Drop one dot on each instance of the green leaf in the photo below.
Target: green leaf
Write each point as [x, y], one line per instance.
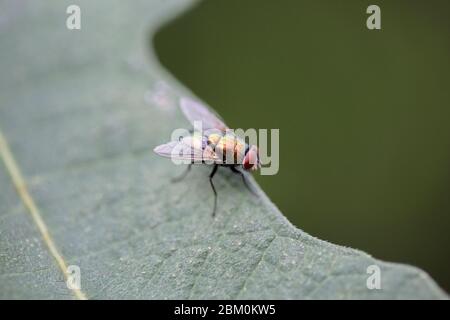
[80, 112]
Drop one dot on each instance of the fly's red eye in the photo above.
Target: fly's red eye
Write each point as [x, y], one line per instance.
[246, 163]
[251, 159]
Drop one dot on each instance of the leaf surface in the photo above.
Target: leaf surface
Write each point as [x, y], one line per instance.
[80, 112]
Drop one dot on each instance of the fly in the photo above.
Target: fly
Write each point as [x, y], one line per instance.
[216, 145]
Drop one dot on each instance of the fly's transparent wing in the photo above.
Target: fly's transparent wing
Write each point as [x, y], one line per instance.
[188, 149]
[195, 111]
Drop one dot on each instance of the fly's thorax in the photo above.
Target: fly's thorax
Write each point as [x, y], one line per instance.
[214, 139]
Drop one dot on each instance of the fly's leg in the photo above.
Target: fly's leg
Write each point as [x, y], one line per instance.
[244, 179]
[211, 176]
[183, 175]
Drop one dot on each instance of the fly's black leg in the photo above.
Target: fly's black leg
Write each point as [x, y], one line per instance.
[211, 176]
[183, 175]
[243, 179]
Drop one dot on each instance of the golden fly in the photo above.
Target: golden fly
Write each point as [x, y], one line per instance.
[215, 145]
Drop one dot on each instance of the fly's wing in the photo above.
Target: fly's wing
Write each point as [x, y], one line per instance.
[188, 149]
[195, 111]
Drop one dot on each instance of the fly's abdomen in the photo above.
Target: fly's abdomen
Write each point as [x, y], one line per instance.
[228, 147]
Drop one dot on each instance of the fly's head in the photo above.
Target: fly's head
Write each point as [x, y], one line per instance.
[251, 159]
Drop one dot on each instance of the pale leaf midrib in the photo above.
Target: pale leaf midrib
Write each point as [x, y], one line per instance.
[19, 183]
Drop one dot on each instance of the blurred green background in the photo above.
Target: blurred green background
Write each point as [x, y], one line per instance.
[363, 115]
